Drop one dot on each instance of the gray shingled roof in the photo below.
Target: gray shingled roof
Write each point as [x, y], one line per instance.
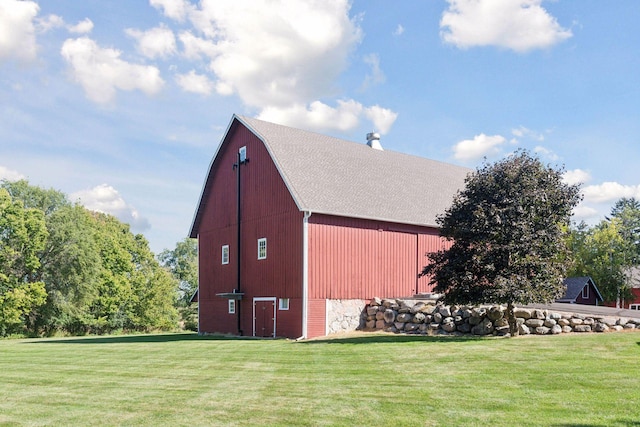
[332, 176]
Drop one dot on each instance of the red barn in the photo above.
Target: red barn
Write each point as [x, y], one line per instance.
[292, 225]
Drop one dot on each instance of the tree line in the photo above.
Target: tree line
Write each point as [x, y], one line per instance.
[66, 269]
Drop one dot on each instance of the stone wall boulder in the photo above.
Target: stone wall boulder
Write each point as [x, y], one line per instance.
[495, 313]
[389, 315]
[485, 327]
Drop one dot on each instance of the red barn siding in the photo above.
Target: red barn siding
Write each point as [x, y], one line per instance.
[359, 259]
[317, 318]
[269, 211]
[592, 297]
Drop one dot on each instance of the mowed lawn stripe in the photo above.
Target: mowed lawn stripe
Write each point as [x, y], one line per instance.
[362, 379]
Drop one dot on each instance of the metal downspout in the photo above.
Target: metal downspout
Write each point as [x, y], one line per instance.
[305, 273]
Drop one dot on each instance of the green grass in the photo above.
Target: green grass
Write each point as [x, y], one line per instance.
[364, 379]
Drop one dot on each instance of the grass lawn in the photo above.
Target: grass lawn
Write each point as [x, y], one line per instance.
[362, 379]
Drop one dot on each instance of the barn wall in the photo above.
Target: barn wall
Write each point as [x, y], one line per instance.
[592, 300]
[268, 211]
[359, 259]
[316, 322]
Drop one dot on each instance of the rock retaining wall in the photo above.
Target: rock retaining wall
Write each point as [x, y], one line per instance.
[429, 317]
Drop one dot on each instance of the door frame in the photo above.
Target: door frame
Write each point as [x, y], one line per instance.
[273, 300]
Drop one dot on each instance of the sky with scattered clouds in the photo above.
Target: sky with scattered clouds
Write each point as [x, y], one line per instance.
[122, 108]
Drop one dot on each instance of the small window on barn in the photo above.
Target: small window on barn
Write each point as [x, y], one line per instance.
[585, 292]
[283, 304]
[634, 306]
[262, 248]
[225, 254]
[232, 306]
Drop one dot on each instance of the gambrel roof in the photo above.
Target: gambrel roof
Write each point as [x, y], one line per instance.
[332, 176]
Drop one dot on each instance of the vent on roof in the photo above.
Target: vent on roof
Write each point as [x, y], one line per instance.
[373, 141]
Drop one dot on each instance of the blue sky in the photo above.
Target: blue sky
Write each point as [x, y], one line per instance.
[122, 107]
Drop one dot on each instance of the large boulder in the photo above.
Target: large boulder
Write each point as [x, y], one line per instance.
[404, 317]
[534, 323]
[417, 307]
[500, 323]
[495, 313]
[485, 327]
[411, 327]
[600, 327]
[542, 330]
[390, 315]
[419, 317]
[539, 314]
[375, 301]
[522, 312]
[444, 310]
[575, 321]
[449, 326]
[465, 328]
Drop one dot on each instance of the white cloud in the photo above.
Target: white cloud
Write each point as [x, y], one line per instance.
[319, 116]
[174, 9]
[382, 118]
[10, 174]
[609, 192]
[100, 71]
[195, 47]
[585, 213]
[195, 83]
[576, 176]
[50, 22]
[478, 147]
[278, 53]
[549, 154]
[158, 42]
[520, 25]
[399, 30]
[83, 27]
[523, 132]
[106, 199]
[17, 32]
[279, 57]
[376, 76]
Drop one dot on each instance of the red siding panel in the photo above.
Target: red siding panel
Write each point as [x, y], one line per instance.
[359, 259]
[317, 318]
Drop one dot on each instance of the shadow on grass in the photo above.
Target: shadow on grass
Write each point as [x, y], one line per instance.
[375, 338]
[628, 423]
[134, 339]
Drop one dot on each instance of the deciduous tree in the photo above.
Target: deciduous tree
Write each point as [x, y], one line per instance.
[506, 233]
[22, 236]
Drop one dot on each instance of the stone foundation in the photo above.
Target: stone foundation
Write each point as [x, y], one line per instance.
[345, 315]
